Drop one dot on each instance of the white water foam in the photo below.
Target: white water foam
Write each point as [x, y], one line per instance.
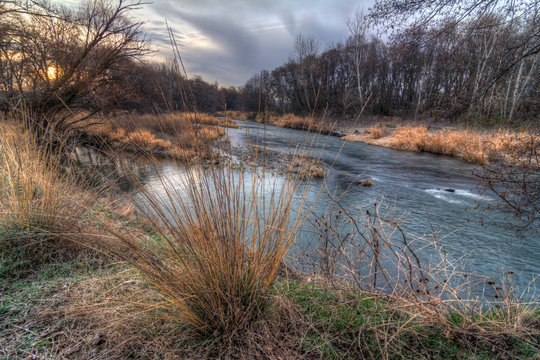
[443, 195]
[473, 195]
[449, 196]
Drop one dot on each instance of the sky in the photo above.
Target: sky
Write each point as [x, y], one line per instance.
[230, 40]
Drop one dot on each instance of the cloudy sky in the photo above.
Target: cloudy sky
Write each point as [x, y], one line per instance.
[230, 40]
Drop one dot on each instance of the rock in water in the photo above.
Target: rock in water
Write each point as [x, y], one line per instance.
[365, 182]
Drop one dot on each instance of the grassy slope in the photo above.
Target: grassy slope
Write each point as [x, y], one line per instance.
[71, 309]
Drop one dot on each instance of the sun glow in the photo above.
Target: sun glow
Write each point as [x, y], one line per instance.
[52, 72]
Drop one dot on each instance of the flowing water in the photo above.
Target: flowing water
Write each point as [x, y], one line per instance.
[434, 194]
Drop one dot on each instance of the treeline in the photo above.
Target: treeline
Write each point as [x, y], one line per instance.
[158, 87]
[486, 67]
[483, 68]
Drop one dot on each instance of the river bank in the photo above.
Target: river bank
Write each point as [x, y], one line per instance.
[75, 284]
[90, 307]
[471, 144]
[476, 146]
[181, 136]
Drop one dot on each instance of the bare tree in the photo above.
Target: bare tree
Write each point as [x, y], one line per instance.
[357, 26]
[519, 14]
[57, 61]
[306, 48]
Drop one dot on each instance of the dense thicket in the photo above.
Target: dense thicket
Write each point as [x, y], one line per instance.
[485, 67]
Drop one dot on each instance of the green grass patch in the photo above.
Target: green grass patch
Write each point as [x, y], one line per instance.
[352, 325]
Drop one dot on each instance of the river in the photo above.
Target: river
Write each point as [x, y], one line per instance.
[470, 228]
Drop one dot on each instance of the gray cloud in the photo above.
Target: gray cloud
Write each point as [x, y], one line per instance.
[229, 41]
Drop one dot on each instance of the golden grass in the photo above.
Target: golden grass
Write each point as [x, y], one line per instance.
[237, 115]
[207, 119]
[40, 208]
[30, 186]
[292, 121]
[168, 123]
[377, 132]
[218, 255]
[175, 135]
[471, 145]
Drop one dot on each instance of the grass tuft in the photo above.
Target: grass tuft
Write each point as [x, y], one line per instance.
[222, 240]
[38, 206]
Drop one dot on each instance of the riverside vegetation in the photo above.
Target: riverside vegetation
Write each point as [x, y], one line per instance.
[198, 266]
[200, 273]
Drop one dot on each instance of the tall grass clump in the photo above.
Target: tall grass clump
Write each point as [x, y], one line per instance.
[222, 238]
[37, 203]
[377, 131]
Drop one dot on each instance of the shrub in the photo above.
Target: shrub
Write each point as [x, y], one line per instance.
[223, 237]
[376, 132]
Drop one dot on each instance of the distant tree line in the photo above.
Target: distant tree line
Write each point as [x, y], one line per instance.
[157, 87]
[485, 67]
[478, 59]
[445, 59]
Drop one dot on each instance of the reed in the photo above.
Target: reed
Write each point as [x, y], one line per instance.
[222, 239]
[38, 206]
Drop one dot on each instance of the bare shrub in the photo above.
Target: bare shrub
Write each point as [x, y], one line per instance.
[373, 253]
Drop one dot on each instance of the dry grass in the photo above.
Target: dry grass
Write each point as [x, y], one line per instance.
[471, 145]
[306, 167]
[109, 313]
[219, 249]
[207, 119]
[168, 123]
[34, 193]
[168, 135]
[376, 255]
[377, 132]
[291, 121]
[237, 115]
[41, 210]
